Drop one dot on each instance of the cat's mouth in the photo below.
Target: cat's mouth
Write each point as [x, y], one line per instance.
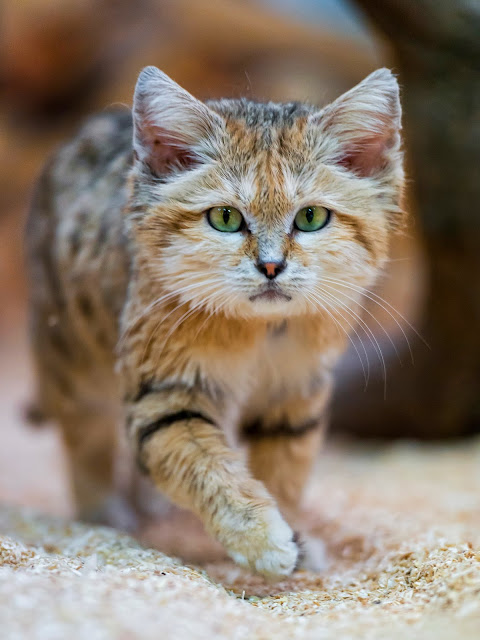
[271, 294]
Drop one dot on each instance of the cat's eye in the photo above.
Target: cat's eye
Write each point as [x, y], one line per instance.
[227, 219]
[312, 218]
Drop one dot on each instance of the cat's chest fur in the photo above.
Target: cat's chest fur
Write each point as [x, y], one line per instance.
[284, 359]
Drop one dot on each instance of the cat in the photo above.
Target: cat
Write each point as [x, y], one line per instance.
[192, 266]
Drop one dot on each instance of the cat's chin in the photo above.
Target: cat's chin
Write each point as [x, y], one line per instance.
[271, 307]
[270, 295]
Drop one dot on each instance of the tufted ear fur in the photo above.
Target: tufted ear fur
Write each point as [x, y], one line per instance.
[172, 129]
[365, 122]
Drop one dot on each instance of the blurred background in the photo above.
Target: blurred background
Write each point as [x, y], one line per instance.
[60, 60]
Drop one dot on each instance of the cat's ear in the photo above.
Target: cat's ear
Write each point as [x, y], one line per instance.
[365, 123]
[172, 129]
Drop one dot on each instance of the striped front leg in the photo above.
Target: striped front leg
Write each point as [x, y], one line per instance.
[179, 442]
[283, 443]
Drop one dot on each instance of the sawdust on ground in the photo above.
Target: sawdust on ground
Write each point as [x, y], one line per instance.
[402, 530]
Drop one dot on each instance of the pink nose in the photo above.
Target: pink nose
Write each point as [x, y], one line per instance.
[271, 269]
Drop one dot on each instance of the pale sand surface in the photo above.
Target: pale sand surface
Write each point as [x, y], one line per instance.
[401, 525]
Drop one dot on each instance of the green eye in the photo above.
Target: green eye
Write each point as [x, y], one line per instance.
[312, 218]
[226, 219]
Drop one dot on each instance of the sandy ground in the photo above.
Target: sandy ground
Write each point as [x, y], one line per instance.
[401, 524]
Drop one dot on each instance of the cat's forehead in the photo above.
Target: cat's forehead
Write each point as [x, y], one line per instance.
[254, 128]
[266, 153]
[261, 115]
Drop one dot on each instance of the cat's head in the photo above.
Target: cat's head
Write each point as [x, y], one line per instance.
[263, 209]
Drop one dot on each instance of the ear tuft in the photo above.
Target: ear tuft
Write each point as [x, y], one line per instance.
[366, 124]
[169, 123]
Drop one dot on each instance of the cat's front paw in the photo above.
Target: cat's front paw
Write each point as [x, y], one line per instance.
[264, 544]
[114, 511]
[313, 555]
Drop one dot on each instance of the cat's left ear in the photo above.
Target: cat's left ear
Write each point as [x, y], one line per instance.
[172, 129]
[364, 124]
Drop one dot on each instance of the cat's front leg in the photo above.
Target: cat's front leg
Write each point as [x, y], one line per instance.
[283, 444]
[181, 446]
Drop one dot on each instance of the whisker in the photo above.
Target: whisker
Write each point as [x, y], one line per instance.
[367, 330]
[180, 321]
[366, 375]
[164, 318]
[134, 323]
[156, 328]
[375, 298]
[373, 317]
[209, 315]
[212, 300]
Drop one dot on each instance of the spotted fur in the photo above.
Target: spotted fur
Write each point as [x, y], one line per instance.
[142, 313]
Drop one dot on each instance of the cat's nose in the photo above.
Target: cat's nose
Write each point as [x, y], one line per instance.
[271, 269]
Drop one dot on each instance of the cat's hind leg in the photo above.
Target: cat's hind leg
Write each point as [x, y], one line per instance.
[89, 432]
[90, 440]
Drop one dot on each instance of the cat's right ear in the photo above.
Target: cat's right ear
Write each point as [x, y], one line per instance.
[172, 129]
[364, 126]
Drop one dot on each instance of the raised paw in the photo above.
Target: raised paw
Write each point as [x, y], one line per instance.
[262, 542]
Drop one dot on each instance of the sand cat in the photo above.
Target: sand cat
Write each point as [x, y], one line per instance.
[193, 269]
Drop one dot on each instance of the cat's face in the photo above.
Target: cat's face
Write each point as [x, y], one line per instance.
[264, 209]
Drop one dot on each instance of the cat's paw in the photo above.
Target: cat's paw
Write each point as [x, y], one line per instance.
[264, 544]
[313, 555]
[115, 511]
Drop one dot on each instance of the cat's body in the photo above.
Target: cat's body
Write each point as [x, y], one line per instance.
[196, 335]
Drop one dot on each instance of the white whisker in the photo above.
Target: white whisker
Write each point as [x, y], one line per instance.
[383, 304]
[180, 321]
[179, 292]
[318, 299]
[367, 330]
[165, 317]
[369, 313]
